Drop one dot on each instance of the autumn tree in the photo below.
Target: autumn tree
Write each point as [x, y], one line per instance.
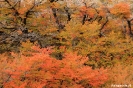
[23, 20]
[100, 32]
[86, 27]
[40, 70]
[122, 10]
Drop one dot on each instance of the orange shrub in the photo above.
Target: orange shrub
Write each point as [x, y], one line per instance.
[121, 9]
[40, 70]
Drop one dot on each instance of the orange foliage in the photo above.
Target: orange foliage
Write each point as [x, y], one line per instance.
[83, 8]
[22, 10]
[41, 70]
[91, 12]
[102, 11]
[121, 9]
[88, 11]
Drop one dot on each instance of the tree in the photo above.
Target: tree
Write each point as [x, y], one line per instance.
[122, 10]
[40, 70]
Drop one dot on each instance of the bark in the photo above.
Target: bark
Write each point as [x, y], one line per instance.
[129, 29]
[100, 33]
[68, 14]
